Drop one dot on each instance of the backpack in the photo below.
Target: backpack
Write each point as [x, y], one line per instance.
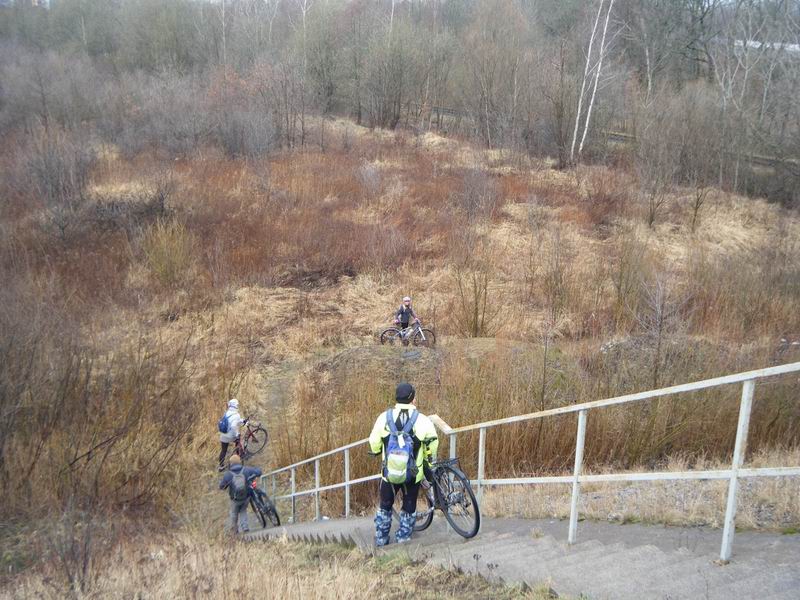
[400, 466]
[223, 424]
[239, 487]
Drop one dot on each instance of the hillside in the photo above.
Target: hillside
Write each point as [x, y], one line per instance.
[269, 280]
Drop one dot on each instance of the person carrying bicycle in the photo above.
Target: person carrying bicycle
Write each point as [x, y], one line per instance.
[404, 314]
[232, 422]
[237, 481]
[407, 441]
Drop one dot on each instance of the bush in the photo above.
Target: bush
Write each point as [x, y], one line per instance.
[58, 167]
[479, 197]
[169, 252]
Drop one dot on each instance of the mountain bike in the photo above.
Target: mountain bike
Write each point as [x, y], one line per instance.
[252, 440]
[450, 492]
[263, 507]
[416, 334]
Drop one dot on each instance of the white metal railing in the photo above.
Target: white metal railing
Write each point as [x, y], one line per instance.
[747, 379]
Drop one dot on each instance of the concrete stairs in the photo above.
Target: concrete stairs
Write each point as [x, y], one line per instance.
[610, 561]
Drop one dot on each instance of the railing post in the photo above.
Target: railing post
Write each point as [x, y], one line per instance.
[316, 486]
[481, 461]
[347, 483]
[573, 511]
[294, 489]
[738, 460]
[452, 445]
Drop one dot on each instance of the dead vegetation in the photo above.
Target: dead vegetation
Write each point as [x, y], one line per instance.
[122, 342]
[194, 565]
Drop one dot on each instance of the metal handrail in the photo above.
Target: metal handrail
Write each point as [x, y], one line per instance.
[747, 379]
[668, 391]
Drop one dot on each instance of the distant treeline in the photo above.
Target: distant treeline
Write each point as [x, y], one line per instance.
[703, 84]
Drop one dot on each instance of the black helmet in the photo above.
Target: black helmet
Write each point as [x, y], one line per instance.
[404, 393]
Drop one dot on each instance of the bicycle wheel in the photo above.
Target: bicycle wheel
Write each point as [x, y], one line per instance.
[424, 337]
[423, 512]
[272, 514]
[390, 336]
[255, 441]
[258, 509]
[458, 502]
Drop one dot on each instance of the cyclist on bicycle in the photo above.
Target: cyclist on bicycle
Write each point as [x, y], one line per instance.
[405, 313]
[237, 481]
[425, 443]
[235, 421]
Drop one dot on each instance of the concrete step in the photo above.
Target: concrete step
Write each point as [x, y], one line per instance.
[529, 549]
[611, 561]
[764, 584]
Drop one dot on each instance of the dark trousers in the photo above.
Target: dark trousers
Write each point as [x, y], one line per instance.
[410, 492]
[223, 453]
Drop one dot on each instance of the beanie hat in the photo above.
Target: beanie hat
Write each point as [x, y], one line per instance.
[236, 460]
[404, 393]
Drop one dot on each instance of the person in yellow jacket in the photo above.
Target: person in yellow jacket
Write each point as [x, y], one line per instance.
[407, 441]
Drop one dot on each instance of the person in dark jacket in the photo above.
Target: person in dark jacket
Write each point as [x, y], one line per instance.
[237, 481]
[405, 313]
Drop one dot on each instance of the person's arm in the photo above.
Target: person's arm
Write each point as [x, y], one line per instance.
[429, 438]
[226, 480]
[236, 424]
[377, 434]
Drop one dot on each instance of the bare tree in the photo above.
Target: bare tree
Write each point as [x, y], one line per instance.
[58, 171]
[658, 316]
[594, 72]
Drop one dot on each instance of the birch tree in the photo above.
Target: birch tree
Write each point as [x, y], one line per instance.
[591, 76]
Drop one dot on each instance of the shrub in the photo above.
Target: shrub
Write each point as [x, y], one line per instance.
[169, 252]
[58, 167]
[479, 196]
[370, 178]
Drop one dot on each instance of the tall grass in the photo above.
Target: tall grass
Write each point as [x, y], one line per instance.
[332, 410]
[108, 399]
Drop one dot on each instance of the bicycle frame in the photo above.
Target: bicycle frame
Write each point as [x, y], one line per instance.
[438, 495]
[409, 331]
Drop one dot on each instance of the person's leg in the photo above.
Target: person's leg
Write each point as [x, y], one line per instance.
[244, 525]
[222, 454]
[383, 517]
[233, 515]
[410, 497]
[407, 518]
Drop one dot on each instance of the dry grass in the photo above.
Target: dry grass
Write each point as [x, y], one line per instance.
[191, 564]
[266, 268]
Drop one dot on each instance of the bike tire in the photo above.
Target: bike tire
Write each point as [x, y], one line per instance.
[424, 509]
[272, 515]
[428, 342]
[390, 336]
[255, 504]
[256, 441]
[459, 504]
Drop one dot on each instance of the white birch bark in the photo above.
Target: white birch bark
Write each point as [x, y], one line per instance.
[583, 83]
[596, 78]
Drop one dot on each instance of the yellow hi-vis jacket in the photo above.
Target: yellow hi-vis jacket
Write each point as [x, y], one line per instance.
[426, 441]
